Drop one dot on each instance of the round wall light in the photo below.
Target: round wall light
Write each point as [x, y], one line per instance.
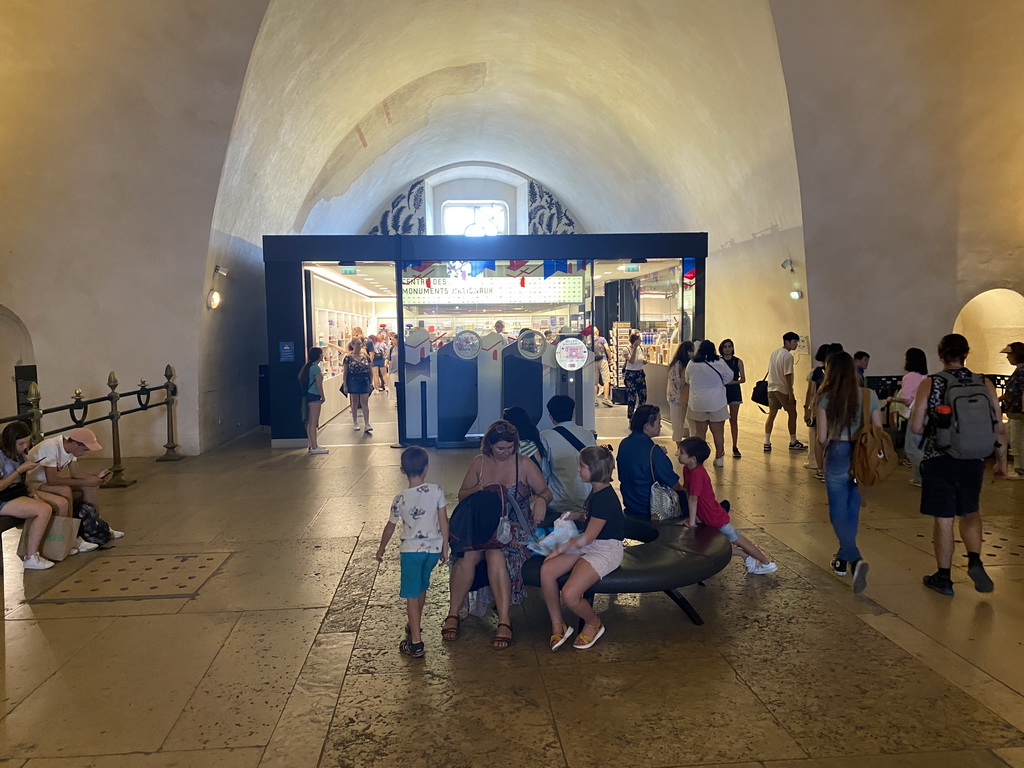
[213, 299]
[796, 294]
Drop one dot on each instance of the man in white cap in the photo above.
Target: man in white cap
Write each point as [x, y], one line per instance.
[60, 452]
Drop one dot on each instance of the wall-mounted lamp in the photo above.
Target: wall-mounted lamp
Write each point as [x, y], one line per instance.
[796, 295]
[213, 297]
[787, 264]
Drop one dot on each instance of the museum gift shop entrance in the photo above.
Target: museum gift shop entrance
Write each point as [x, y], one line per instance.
[483, 323]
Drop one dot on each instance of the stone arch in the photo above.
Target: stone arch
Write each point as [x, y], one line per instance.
[16, 350]
[990, 321]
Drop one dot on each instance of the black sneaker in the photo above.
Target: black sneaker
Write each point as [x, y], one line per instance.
[939, 584]
[416, 650]
[860, 576]
[736, 453]
[796, 445]
[767, 447]
[838, 567]
[981, 580]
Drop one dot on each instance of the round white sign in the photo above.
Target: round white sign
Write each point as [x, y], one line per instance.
[571, 354]
[467, 344]
[531, 344]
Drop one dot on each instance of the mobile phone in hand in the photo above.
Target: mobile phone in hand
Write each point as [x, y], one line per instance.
[103, 474]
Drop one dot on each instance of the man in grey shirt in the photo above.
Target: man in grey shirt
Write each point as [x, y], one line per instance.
[561, 463]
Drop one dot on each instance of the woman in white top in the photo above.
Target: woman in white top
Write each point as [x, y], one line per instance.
[677, 392]
[636, 379]
[707, 374]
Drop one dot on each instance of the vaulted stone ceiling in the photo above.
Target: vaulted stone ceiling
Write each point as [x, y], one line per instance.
[661, 115]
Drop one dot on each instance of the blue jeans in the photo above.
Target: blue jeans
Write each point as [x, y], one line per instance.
[843, 498]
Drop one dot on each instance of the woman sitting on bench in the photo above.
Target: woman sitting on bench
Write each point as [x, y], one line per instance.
[16, 499]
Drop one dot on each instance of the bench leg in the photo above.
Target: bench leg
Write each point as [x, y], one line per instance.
[683, 603]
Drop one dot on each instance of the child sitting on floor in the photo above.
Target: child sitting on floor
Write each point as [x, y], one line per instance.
[423, 512]
[693, 452]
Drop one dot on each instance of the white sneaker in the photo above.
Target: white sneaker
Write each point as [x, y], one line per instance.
[116, 534]
[37, 562]
[84, 546]
[318, 451]
[751, 562]
[762, 568]
[357, 428]
[720, 462]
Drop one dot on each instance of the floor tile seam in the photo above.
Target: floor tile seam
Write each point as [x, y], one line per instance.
[768, 709]
[201, 678]
[551, 710]
[989, 678]
[81, 649]
[291, 693]
[334, 594]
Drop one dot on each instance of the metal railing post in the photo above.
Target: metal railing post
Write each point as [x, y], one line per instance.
[172, 390]
[34, 413]
[117, 478]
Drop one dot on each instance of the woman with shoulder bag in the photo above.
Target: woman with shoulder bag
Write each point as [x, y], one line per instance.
[16, 499]
[499, 467]
[707, 375]
[839, 418]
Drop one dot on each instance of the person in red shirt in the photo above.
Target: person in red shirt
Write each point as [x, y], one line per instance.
[693, 452]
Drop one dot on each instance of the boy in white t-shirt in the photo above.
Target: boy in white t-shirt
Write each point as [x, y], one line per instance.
[423, 512]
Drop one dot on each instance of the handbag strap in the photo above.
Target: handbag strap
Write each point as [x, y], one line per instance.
[865, 407]
[654, 478]
[570, 438]
[716, 371]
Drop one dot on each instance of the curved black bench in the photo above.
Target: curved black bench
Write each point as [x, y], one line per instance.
[671, 556]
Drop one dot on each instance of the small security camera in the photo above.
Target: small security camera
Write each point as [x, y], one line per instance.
[787, 264]
[219, 270]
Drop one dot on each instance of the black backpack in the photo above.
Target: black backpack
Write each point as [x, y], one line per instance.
[93, 529]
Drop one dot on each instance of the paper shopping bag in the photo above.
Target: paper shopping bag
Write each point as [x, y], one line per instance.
[60, 538]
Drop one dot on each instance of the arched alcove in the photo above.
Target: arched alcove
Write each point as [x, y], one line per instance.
[16, 350]
[990, 321]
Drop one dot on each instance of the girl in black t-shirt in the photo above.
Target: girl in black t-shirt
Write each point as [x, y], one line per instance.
[590, 556]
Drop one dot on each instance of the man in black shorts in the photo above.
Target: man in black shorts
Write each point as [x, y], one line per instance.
[951, 487]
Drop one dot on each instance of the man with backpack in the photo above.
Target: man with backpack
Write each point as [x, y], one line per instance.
[561, 462]
[958, 413]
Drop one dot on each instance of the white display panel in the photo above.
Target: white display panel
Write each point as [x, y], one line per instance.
[557, 289]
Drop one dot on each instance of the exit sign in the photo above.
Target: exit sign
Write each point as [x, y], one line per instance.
[632, 268]
[349, 271]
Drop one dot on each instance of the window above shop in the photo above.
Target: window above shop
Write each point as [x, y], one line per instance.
[475, 218]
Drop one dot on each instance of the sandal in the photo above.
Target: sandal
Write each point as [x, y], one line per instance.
[500, 642]
[557, 640]
[586, 641]
[450, 633]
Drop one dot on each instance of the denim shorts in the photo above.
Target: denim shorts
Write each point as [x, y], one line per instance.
[730, 532]
[416, 568]
[311, 398]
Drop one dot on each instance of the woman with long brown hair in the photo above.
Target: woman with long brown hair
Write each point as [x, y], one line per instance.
[677, 392]
[840, 401]
[499, 467]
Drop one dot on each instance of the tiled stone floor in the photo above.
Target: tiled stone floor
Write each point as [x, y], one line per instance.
[287, 655]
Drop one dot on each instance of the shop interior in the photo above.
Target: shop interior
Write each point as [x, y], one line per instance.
[468, 350]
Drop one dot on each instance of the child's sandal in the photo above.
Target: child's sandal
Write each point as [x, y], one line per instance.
[557, 640]
[450, 633]
[500, 642]
[586, 641]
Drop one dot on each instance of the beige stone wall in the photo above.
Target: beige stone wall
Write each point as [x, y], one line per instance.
[907, 133]
[116, 117]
